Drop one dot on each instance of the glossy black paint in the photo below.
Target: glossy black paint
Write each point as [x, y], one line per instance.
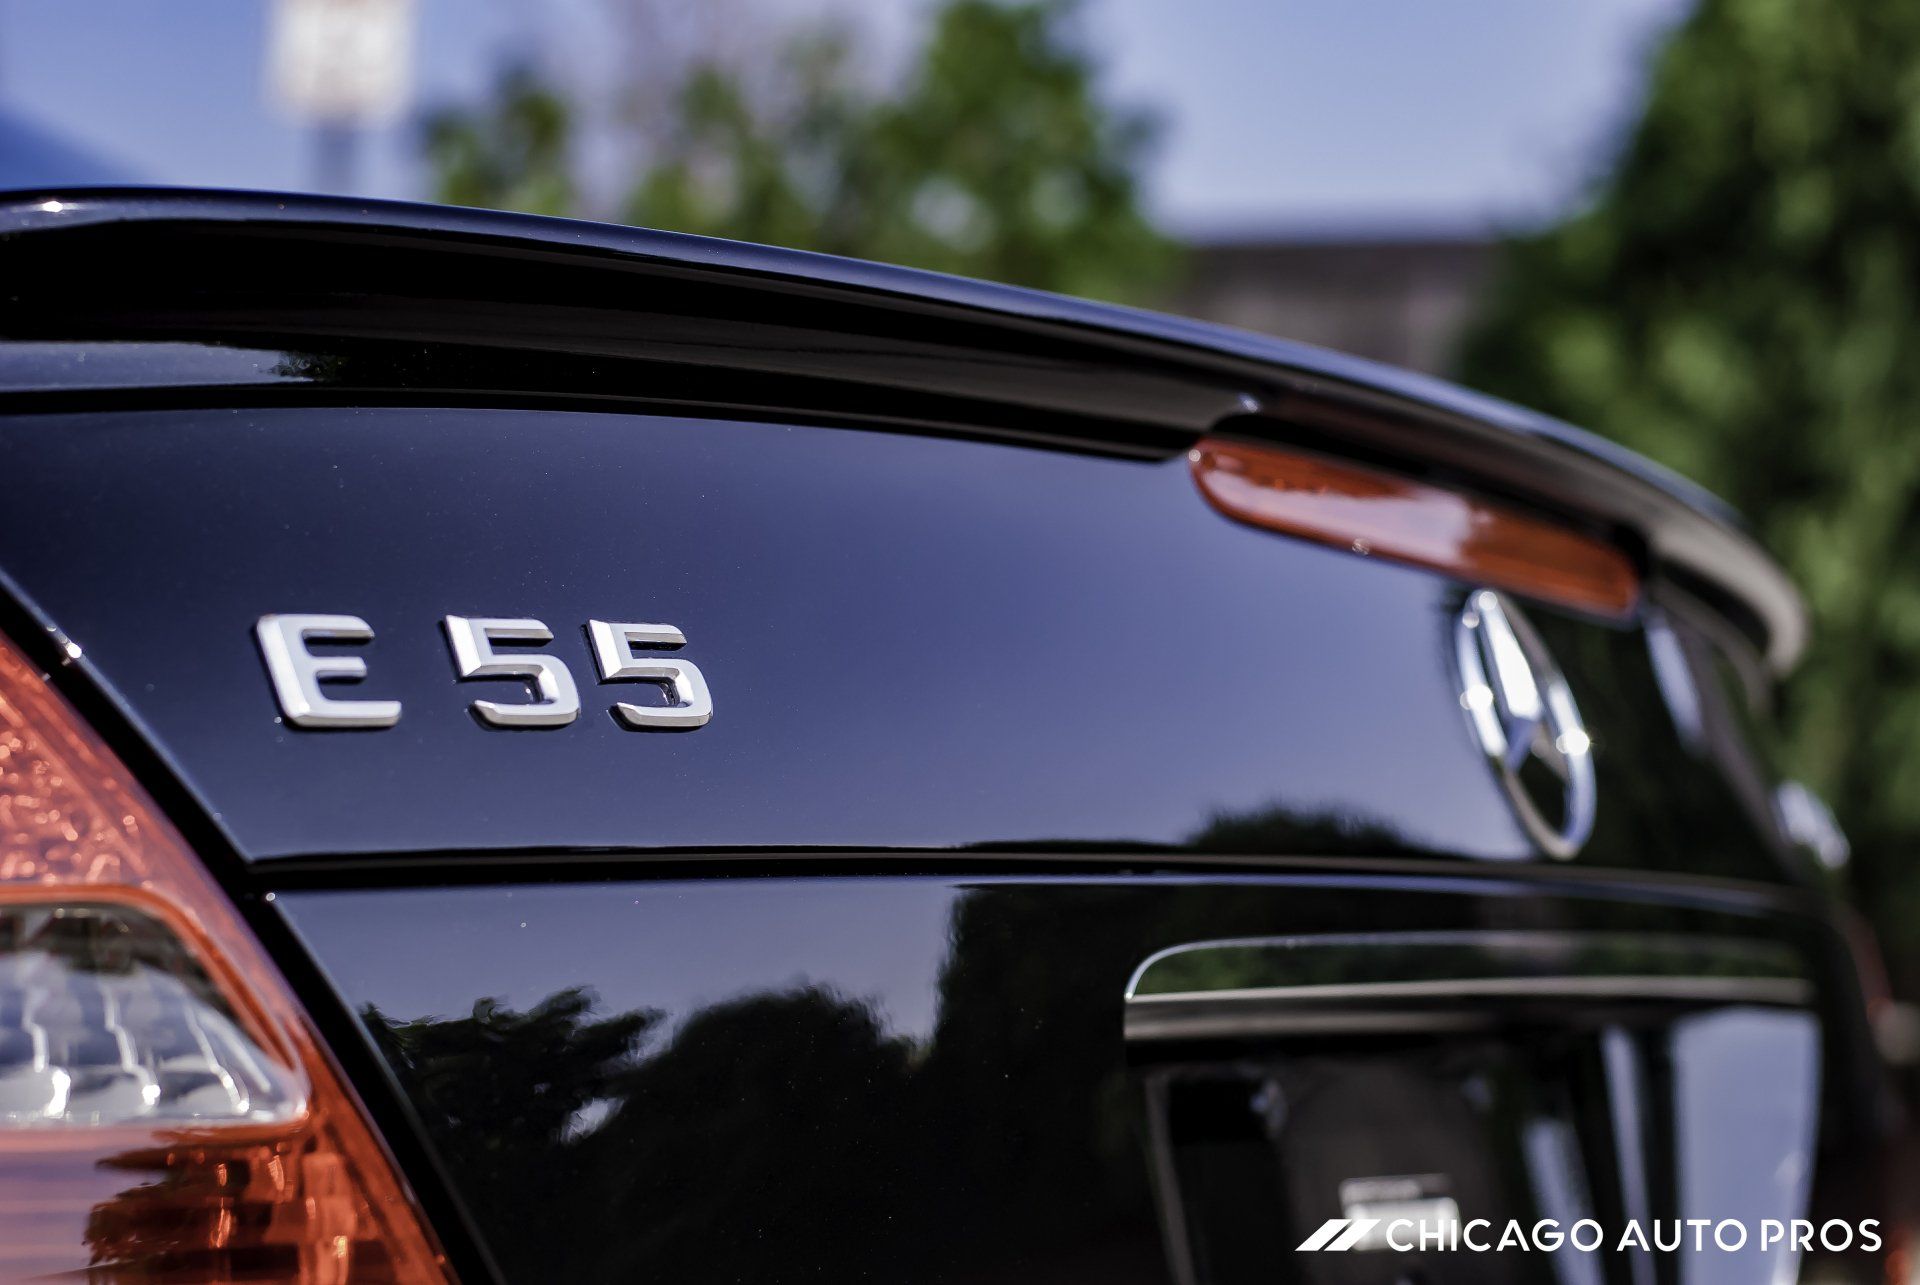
[378, 301]
[935, 546]
[912, 643]
[925, 1078]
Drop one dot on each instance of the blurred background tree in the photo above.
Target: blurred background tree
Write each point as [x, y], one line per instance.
[993, 154]
[1739, 302]
[512, 154]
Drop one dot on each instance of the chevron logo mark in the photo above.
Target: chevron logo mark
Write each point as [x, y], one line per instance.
[1337, 1235]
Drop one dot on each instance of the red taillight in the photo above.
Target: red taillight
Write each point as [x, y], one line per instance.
[1367, 511]
[166, 1109]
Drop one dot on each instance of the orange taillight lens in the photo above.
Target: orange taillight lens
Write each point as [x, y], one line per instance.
[166, 1109]
[1352, 507]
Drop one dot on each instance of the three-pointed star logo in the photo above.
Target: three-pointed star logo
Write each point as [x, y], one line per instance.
[1522, 711]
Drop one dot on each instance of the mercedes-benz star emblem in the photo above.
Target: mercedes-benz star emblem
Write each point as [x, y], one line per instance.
[1526, 722]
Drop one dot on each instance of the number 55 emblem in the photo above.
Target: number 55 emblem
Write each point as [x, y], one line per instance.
[625, 653]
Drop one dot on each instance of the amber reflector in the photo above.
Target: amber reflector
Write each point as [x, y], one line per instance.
[167, 1112]
[1369, 512]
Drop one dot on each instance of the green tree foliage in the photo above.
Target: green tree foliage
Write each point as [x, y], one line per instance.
[994, 154]
[511, 155]
[1740, 302]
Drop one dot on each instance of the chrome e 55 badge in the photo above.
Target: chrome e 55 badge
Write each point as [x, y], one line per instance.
[624, 653]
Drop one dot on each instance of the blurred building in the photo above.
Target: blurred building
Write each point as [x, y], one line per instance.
[1403, 301]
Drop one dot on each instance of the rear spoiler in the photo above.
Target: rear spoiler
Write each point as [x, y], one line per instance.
[177, 297]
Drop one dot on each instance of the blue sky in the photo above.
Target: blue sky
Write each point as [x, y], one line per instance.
[1303, 116]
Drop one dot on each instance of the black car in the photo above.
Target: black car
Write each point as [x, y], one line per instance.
[534, 752]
